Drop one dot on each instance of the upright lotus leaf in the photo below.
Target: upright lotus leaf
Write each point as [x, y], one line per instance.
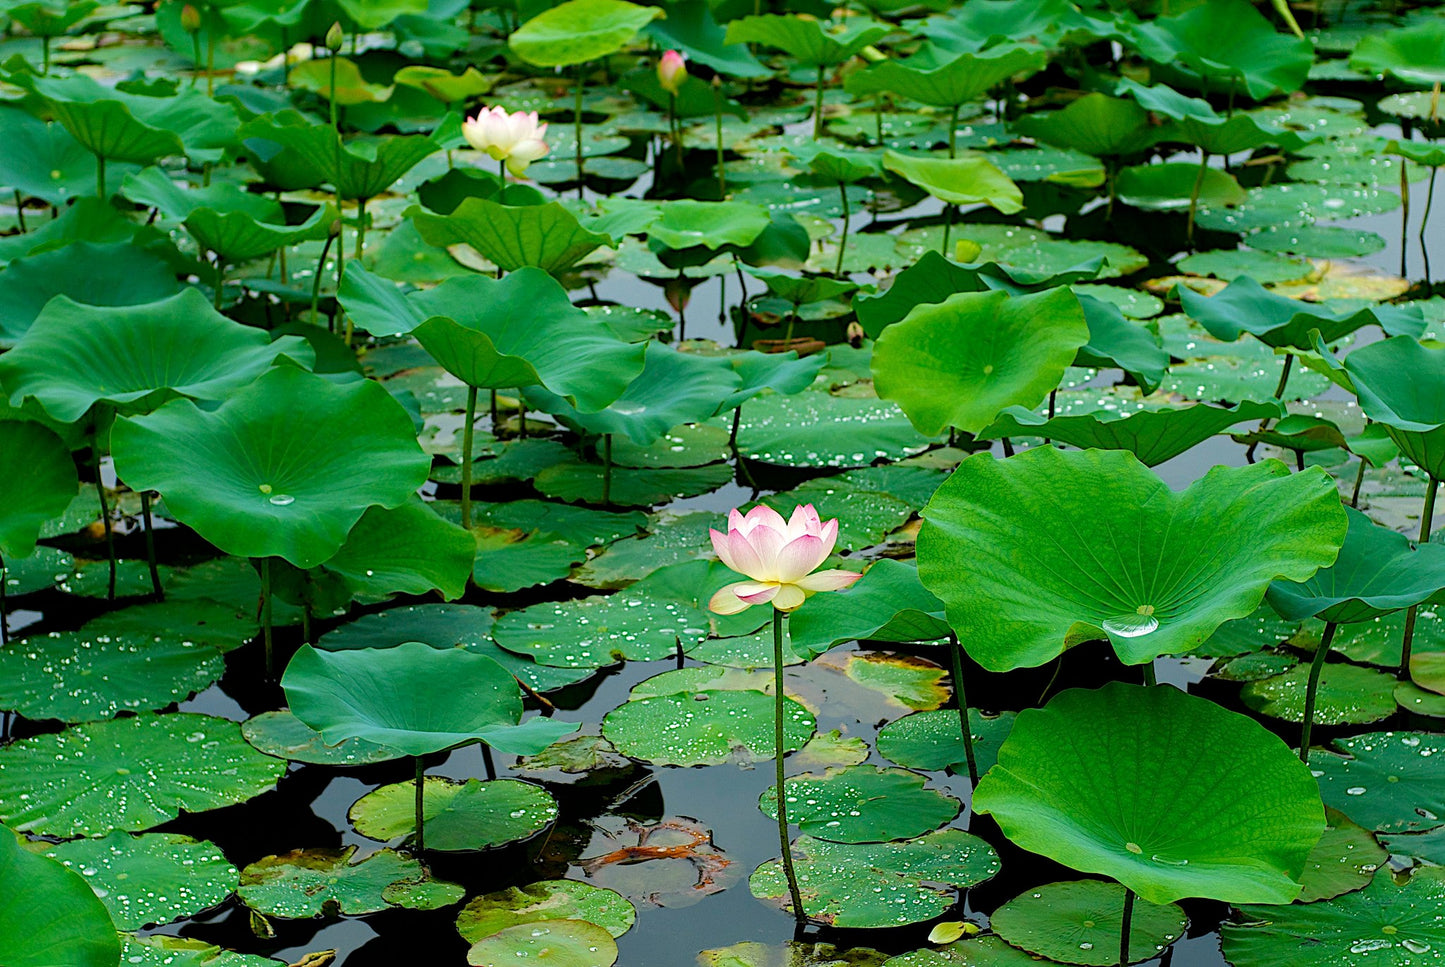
[1095, 124]
[1400, 383]
[548, 237]
[979, 24]
[691, 28]
[137, 357]
[406, 550]
[673, 388]
[542, 902]
[810, 42]
[1414, 54]
[1115, 341]
[959, 362]
[1241, 132]
[801, 290]
[1227, 44]
[1378, 571]
[38, 483]
[1094, 780]
[1177, 185]
[889, 603]
[685, 224]
[267, 473]
[411, 697]
[1245, 306]
[357, 169]
[1153, 436]
[49, 916]
[42, 160]
[374, 14]
[1029, 554]
[940, 79]
[968, 180]
[932, 279]
[578, 31]
[783, 373]
[116, 274]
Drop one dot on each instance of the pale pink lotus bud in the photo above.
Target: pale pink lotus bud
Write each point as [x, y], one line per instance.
[672, 71]
[779, 557]
[515, 138]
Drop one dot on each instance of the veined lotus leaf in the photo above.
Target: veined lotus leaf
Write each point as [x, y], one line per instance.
[1344, 861]
[412, 696]
[509, 560]
[933, 740]
[1080, 922]
[1095, 124]
[685, 445]
[1415, 405]
[630, 487]
[563, 943]
[544, 901]
[130, 774]
[810, 42]
[1284, 323]
[42, 160]
[1415, 54]
[1093, 781]
[862, 804]
[1227, 44]
[704, 728]
[1175, 185]
[673, 388]
[442, 84]
[1220, 135]
[162, 950]
[284, 736]
[548, 237]
[986, 951]
[137, 357]
[152, 878]
[49, 917]
[879, 884]
[800, 290]
[970, 179]
[467, 815]
[1378, 571]
[937, 78]
[828, 165]
[405, 550]
[691, 28]
[81, 676]
[40, 493]
[1347, 695]
[372, 14]
[959, 362]
[1115, 341]
[580, 30]
[686, 224]
[975, 26]
[240, 237]
[350, 88]
[117, 274]
[1386, 781]
[581, 525]
[314, 882]
[889, 603]
[1193, 561]
[819, 429]
[153, 188]
[1395, 924]
[932, 279]
[357, 169]
[1153, 436]
[278, 481]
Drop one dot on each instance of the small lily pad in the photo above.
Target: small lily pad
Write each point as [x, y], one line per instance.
[557, 943]
[631, 487]
[1386, 781]
[161, 950]
[704, 727]
[150, 879]
[469, 815]
[933, 741]
[321, 882]
[543, 901]
[862, 804]
[1079, 922]
[1348, 695]
[815, 429]
[1345, 860]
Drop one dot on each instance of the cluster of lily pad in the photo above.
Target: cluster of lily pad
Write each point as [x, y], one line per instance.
[264, 258]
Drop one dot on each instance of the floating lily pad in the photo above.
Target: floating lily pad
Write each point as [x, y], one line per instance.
[199, 621]
[903, 682]
[161, 950]
[561, 943]
[469, 815]
[150, 879]
[321, 882]
[879, 884]
[704, 727]
[814, 429]
[1386, 781]
[1079, 922]
[1345, 860]
[284, 736]
[862, 804]
[544, 901]
[971, 952]
[933, 740]
[509, 560]
[1412, 698]
[1348, 695]
[129, 774]
[630, 487]
[828, 750]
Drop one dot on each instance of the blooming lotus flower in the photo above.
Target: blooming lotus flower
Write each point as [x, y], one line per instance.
[515, 138]
[779, 557]
[672, 71]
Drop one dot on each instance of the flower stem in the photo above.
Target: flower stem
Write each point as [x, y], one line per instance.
[577, 125]
[467, 437]
[316, 282]
[606, 469]
[722, 175]
[420, 839]
[1125, 926]
[1317, 665]
[145, 513]
[104, 508]
[778, 752]
[843, 241]
[818, 107]
[4, 621]
[100, 176]
[1194, 197]
[266, 630]
[961, 698]
[1427, 521]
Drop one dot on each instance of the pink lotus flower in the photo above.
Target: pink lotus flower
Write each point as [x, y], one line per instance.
[515, 138]
[672, 71]
[779, 557]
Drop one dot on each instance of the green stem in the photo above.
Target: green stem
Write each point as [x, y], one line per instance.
[331, 99]
[1317, 665]
[1194, 197]
[266, 626]
[955, 652]
[20, 210]
[1126, 926]
[420, 840]
[467, 437]
[44, 56]
[316, 282]
[1284, 377]
[4, 620]
[1404, 213]
[1359, 482]
[818, 107]
[521, 415]
[947, 230]
[1150, 678]
[577, 125]
[360, 228]
[220, 281]
[100, 176]
[145, 513]
[1427, 521]
[842, 242]
[606, 469]
[722, 175]
[779, 751]
[104, 510]
[1425, 220]
[674, 127]
[953, 131]
[496, 416]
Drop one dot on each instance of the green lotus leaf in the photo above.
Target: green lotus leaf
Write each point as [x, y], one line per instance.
[351, 87]
[1415, 405]
[1415, 54]
[1063, 576]
[1227, 44]
[1175, 186]
[44, 20]
[710, 225]
[442, 84]
[1348, 694]
[1080, 922]
[889, 603]
[704, 728]
[284, 736]
[932, 279]
[690, 27]
[987, 951]
[49, 917]
[1091, 781]
[467, 815]
[118, 274]
[563, 943]
[970, 179]
[861, 804]
[1378, 571]
[277, 479]
[543, 902]
[1153, 436]
[1226, 136]
[509, 560]
[200, 621]
[129, 774]
[317, 882]
[1096, 124]
[630, 487]
[1344, 861]
[687, 445]
[42, 160]
[1115, 341]
[154, 188]
[938, 79]
[78, 676]
[1245, 306]
[358, 169]
[580, 30]
[161, 950]
[548, 237]
[808, 41]
[152, 878]
[405, 550]
[959, 362]
[42, 492]
[1385, 781]
[828, 165]
[818, 429]
[879, 884]
[933, 741]
[1395, 924]
[801, 290]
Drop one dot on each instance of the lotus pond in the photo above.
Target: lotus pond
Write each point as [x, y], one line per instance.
[721, 483]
